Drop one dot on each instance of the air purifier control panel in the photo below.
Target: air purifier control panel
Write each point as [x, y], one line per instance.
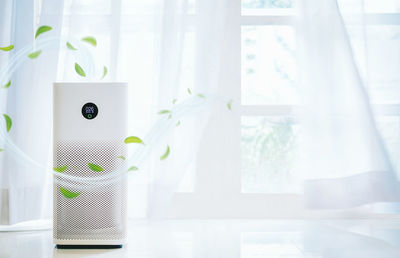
[90, 110]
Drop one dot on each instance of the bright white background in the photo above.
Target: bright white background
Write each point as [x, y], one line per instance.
[248, 162]
[244, 162]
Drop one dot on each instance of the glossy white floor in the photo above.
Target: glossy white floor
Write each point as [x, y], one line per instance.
[229, 239]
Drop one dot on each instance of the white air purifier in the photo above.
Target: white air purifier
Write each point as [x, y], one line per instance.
[89, 131]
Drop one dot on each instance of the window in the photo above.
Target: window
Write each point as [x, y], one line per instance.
[262, 44]
[262, 181]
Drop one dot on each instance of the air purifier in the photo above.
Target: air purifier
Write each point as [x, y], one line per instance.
[89, 128]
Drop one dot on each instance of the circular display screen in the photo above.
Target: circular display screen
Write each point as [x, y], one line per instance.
[89, 110]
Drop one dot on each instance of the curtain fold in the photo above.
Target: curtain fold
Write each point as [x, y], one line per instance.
[184, 76]
[345, 161]
[26, 188]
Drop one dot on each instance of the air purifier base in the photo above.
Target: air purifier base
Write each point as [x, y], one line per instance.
[88, 246]
[60, 243]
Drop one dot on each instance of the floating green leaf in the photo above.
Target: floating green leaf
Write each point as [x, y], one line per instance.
[95, 168]
[1, 150]
[178, 123]
[9, 48]
[42, 29]
[70, 46]
[7, 85]
[201, 96]
[164, 111]
[79, 70]
[105, 71]
[189, 91]
[68, 194]
[8, 122]
[121, 157]
[229, 104]
[174, 101]
[60, 169]
[91, 40]
[166, 153]
[133, 139]
[133, 168]
[35, 54]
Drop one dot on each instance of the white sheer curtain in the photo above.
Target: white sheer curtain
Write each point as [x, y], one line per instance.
[166, 51]
[25, 186]
[346, 163]
[177, 49]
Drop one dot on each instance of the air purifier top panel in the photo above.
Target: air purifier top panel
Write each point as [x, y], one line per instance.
[90, 111]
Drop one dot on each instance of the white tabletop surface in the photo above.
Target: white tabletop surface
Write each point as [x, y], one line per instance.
[228, 239]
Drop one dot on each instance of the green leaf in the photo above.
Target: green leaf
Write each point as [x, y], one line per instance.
[9, 48]
[166, 153]
[133, 168]
[201, 96]
[174, 101]
[79, 70]
[60, 169]
[70, 46]
[42, 29]
[121, 157]
[189, 91]
[105, 71]
[164, 111]
[133, 139]
[35, 54]
[8, 122]
[68, 194]
[229, 104]
[178, 123]
[1, 150]
[95, 168]
[7, 85]
[91, 40]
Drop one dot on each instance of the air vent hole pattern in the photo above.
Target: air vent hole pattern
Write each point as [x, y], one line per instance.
[97, 213]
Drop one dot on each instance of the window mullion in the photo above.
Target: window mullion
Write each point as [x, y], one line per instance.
[268, 20]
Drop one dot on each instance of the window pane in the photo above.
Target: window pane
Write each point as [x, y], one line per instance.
[268, 148]
[384, 63]
[382, 6]
[267, 7]
[268, 65]
[389, 127]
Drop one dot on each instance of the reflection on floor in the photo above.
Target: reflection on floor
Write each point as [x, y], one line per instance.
[229, 239]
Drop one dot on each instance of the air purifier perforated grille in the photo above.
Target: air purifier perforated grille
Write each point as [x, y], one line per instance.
[98, 213]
